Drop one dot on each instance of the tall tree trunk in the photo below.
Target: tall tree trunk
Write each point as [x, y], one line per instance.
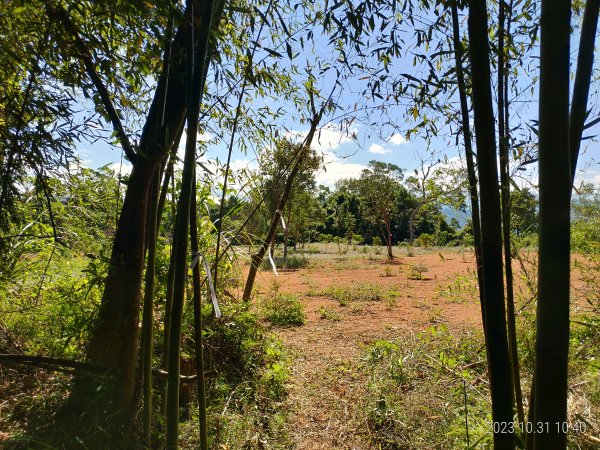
[388, 241]
[503, 141]
[472, 177]
[113, 343]
[195, 82]
[258, 256]
[552, 339]
[491, 221]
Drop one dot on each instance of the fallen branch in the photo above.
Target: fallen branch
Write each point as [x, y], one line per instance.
[70, 367]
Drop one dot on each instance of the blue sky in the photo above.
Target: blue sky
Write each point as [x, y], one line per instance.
[346, 157]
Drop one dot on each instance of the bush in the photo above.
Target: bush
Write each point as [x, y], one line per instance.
[376, 241]
[416, 271]
[283, 309]
[424, 240]
[324, 238]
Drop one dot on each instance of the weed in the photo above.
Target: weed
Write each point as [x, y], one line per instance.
[327, 314]
[283, 309]
[344, 294]
[387, 272]
[461, 288]
[435, 315]
[416, 271]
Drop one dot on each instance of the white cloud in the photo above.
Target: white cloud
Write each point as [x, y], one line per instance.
[588, 176]
[378, 149]
[329, 137]
[123, 169]
[397, 139]
[243, 164]
[337, 169]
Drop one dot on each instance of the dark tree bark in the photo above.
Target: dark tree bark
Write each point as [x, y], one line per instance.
[491, 221]
[552, 339]
[583, 75]
[115, 336]
[195, 81]
[469, 155]
[503, 140]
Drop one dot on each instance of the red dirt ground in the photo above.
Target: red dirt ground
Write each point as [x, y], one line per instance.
[323, 385]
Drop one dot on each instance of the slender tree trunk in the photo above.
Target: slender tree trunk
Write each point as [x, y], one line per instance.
[388, 241]
[552, 339]
[148, 313]
[258, 256]
[286, 235]
[505, 198]
[195, 81]
[411, 226]
[472, 177]
[491, 221]
[581, 88]
[198, 338]
[114, 339]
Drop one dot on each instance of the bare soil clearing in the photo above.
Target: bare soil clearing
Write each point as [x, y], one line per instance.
[325, 350]
[325, 386]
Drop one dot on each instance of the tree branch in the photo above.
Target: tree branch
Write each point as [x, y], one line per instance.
[59, 13]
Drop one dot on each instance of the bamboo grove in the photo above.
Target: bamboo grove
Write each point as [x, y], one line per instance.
[199, 62]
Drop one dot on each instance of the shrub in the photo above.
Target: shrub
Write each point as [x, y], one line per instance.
[327, 314]
[283, 309]
[416, 271]
[424, 240]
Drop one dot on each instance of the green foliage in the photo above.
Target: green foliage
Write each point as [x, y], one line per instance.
[424, 240]
[356, 292]
[416, 271]
[252, 370]
[585, 234]
[415, 396]
[283, 309]
[327, 314]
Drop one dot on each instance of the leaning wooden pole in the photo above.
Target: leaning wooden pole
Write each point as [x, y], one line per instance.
[552, 337]
[500, 373]
[196, 77]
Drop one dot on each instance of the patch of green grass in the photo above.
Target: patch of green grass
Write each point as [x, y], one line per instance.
[356, 292]
[292, 262]
[283, 310]
[459, 289]
[415, 391]
[327, 314]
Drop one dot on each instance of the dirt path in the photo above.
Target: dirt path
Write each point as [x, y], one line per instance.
[325, 385]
